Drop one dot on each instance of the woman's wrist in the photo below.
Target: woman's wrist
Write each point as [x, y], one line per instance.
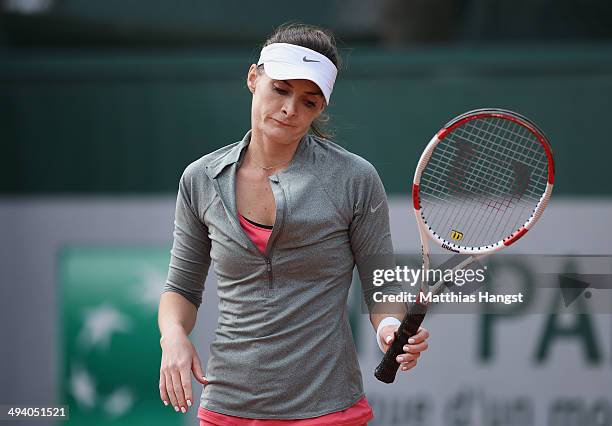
[172, 332]
[385, 322]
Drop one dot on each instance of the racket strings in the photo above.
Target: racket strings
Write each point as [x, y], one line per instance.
[447, 153]
[502, 202]
[494, 181]
[498, 187]
[470, 206]
[483, 182]
[472, 183]
[491, 159]
[465, 207]
[528, 141]
[495, 203]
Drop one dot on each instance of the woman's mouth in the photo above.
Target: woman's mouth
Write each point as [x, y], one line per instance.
[282, 123]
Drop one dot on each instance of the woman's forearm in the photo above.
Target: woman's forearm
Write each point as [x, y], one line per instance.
[176, 314]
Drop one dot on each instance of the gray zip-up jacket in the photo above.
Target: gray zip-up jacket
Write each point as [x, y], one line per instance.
[283, 347]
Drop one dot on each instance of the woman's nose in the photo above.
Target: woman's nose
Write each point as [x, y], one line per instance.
[289, 108]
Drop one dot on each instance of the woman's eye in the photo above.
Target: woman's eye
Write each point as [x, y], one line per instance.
[279, 90]
[310, 104]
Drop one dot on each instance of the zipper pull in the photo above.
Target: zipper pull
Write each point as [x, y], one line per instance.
[268, 265]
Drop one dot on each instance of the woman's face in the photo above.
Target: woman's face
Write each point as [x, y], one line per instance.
[282, 110]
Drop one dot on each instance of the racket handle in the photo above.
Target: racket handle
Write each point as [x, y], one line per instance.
[386, 370]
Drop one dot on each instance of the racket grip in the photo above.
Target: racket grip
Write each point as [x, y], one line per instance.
[387, 369]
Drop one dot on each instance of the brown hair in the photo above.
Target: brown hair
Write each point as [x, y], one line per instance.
[317, 39]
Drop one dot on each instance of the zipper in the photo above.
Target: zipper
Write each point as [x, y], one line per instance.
[267, 255]
[278, 225]
[269, 269]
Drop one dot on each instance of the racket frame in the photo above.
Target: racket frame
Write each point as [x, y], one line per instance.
[426, 155]
[387, 368]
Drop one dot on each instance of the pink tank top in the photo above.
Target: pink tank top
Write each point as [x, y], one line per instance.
[356, 415]
[257, 233]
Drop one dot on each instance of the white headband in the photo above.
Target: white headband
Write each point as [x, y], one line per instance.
[284, 61]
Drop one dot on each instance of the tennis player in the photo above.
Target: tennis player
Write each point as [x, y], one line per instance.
[285, 215]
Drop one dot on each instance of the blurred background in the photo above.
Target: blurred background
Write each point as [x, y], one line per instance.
[103, 105]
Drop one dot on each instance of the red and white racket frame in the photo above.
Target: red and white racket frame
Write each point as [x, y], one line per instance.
[387, 369]
[425, 231]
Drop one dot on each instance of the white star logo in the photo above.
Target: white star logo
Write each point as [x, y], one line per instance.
[82, 386]
[119, 402]
[100, 324]
[148, 290]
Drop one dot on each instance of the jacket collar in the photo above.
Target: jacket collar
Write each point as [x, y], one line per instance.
[222, 172]
[232, 156]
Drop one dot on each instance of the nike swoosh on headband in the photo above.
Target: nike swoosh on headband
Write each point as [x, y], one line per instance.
[305, 59]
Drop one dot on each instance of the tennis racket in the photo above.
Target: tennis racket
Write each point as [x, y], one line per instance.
[482, 182]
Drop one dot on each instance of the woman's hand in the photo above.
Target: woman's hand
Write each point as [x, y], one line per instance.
[412, 350]
[179, 359]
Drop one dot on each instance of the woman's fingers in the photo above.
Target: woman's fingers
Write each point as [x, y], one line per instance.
[170, 390]
[178, 390]
[421, 336]
[412, 351]
[408, 357]
[416, 343]
[175, 388]
[179, 359]
[408, 365]
[163, 394]
[186, 381]
[416, 348]
[196, 367]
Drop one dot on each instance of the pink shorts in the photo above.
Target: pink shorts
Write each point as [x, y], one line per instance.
[358, 414]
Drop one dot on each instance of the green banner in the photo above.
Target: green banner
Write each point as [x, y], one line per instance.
[109, 365]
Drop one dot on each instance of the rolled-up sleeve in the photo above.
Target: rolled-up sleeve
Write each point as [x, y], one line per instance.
[190, 254]
[370, 235]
